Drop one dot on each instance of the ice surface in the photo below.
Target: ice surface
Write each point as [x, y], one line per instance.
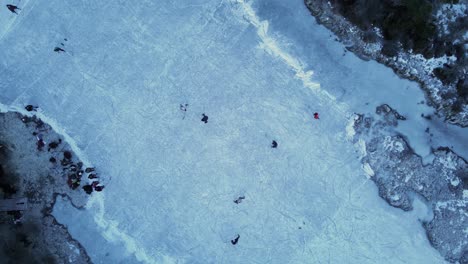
[171, 179]
[362, 85]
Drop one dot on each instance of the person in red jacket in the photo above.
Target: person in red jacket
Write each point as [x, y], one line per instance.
[316, 115]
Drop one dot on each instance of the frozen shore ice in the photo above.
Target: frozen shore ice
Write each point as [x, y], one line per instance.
[116, 94]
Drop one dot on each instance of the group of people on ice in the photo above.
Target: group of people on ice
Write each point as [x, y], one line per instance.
[74, 171]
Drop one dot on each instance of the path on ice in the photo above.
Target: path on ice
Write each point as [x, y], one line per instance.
[172, 181]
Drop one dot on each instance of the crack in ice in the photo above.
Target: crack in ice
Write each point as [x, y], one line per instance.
[271, 46]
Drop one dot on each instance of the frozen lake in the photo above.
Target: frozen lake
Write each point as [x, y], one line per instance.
[170, 178]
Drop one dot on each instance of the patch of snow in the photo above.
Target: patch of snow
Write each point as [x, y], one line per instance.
[350, 132]
[361, 147]
[378, 31]
[368, 170]
[408, 176]
[74, 248]
[449, 162]
[450, 12]
[392, 145]
[395, 197]
[455, 181]
[373, 47]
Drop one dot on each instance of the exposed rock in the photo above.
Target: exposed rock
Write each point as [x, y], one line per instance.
[400, 175]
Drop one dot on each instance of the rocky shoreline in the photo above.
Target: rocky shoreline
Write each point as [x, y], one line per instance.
[401, 177]
[447, 98]
[34, 235]
[387, 158]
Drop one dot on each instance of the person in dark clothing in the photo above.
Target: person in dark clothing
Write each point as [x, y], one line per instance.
[58, 49]
[13, 8]
[183, 107]
[65, 162]
[53, 145]
[235, 240]
[40, 125]
[67, 155]
[30, 108]
[92, 176]
[89, 169]
[96, 186]
[316, 115]
[205, 118]
[88, 189]
[274, 144]
[239, 200]
[73, 181]
[40, 144]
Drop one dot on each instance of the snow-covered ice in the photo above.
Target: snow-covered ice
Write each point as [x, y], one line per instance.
[259, 70]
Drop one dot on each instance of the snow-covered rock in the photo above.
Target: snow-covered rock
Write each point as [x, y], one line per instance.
[400, 174]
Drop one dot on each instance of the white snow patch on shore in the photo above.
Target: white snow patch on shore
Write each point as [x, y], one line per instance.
[453, 205]
[449, 162]
[448, 13]
[368, 170]
[392, 145]
[350, 132]
[361, 147]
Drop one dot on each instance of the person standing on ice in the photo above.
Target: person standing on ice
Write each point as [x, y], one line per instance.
[316, 115]
[31, 108]
[235, 240]
[13, 8]
[205, 118]
[58, 49]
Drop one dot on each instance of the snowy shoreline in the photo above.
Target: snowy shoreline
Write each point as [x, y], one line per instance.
[402, 178]
[28, 173]
[407, 65]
